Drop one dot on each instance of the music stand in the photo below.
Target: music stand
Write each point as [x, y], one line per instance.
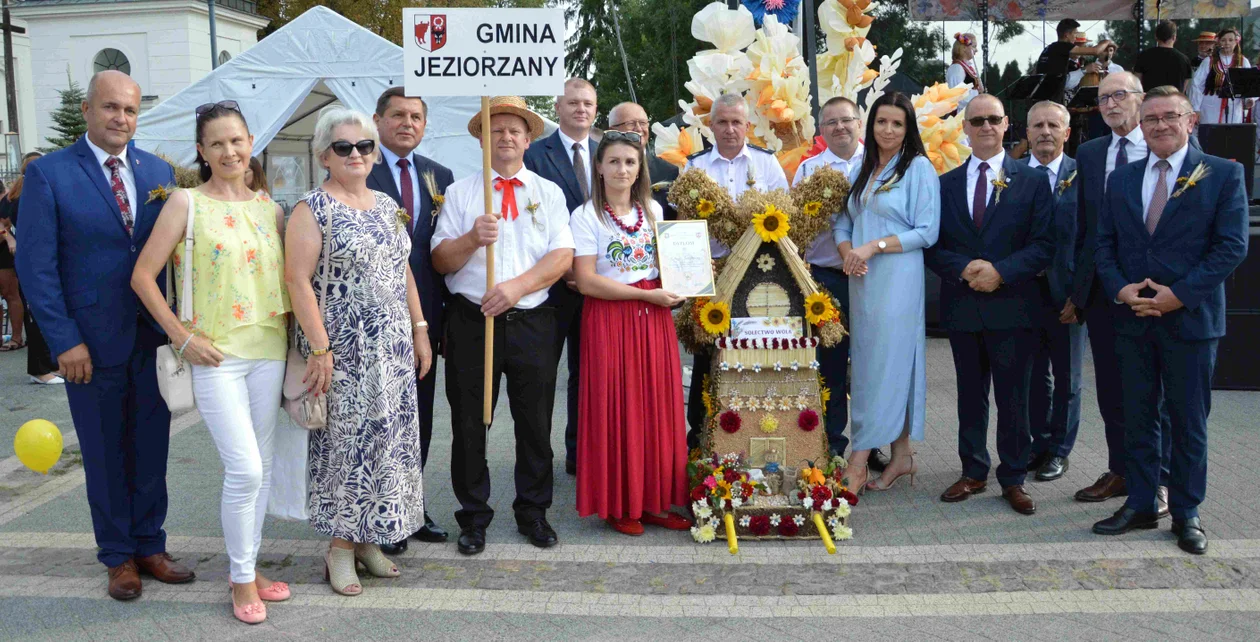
[1243, 83]
[1086, 99]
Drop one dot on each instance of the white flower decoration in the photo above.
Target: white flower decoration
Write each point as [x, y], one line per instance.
[739, 367]
[745, 521]
[704, 534]
[765, 262]
[756, 367]
[826, 505]
[842, 532]
[842, 508]
[813, 365]
[808, 502]
[796, 366]
[775, 519]
[704, 513]
[724, 366]
[778, 366]
[799, 519]
[736, 501]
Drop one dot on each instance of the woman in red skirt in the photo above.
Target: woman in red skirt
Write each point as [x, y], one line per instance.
[631, 424]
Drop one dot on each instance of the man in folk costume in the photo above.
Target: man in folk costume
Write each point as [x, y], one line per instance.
[737, 167]
[533, 249]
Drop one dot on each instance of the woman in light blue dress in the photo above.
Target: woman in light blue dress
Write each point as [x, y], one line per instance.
[892, 214]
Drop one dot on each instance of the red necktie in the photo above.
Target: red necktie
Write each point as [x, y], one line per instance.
[120, 192]
[508, 210]
[980, 199]
[408, 196]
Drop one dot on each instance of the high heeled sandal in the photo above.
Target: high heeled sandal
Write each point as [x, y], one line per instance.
[866, 474]
[374, 561]
[340, 573]
[914, 469]
[277, 592]
[252, 613]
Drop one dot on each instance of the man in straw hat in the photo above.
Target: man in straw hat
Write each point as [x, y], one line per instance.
[530, 226]
[1205, 42]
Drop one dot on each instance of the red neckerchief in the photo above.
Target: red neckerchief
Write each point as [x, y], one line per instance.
[508, 210]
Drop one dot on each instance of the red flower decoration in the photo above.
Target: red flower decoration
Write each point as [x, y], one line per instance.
[849, 497]
[820, 494]
[759, 525]
[808, 420]
[747, 490]
[800, 494]
[698, 493]
[730, 421]
[730, 476]
[729, 507]
[788, 528]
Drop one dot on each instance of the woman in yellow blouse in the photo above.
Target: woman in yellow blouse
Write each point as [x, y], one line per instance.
[237, 338]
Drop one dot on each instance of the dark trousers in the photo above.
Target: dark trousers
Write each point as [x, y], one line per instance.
[1054, 398]
[39, 360]
[568, 313]
[426, 389]
[1100, 324]
[523, 344]
[1003, 357]
[701, 365]
[834, 362]
[124, 431]
[1154, 361]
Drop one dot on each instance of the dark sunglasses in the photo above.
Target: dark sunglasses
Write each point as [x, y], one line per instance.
[222, 104]
[342, 147]
[614, 135]
[979, 121]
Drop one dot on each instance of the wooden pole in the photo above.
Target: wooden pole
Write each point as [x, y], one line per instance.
[488, 381]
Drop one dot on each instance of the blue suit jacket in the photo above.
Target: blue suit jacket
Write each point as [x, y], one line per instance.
[1200, 239]
[1016, 237]
[76, 259]
[429, 283]
[1091, 166]
[1059, 274]
[548, 158]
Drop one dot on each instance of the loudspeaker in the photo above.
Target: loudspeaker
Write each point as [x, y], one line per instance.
[1239, 350]
[1235, 142]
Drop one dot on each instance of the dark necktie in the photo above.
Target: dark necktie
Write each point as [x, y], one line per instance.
[408, 195]
[1122, 154]
[981, 196]
[120, 192]
[579, 168]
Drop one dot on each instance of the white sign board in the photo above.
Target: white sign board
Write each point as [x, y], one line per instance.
[483, 52]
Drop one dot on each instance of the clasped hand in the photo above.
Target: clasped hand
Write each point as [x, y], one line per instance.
[855, 262]
[982, 276]
[1162, 303]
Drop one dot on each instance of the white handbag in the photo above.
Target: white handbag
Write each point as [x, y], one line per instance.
[174, 375]
[305, 409]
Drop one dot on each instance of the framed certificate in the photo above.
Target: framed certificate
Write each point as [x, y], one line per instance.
[686, 264]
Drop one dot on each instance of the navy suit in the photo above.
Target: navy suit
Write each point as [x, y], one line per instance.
[1096, 310]
[429, 283]
[1054, 399]
[75, 266]
[1201, 237]
[993, 335]
[548, 158]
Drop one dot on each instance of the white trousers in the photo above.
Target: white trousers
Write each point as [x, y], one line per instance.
[240, 402]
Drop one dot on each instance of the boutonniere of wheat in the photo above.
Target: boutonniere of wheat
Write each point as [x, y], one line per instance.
[532, 208]
[1067, 182]
[999, 183]
[752, 180]
[430, 183]
[1186, 182]
[160, 193]
[402, 219]
[888, 187]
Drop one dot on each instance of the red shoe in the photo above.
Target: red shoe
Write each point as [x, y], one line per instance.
[672, 521]
[626, 526]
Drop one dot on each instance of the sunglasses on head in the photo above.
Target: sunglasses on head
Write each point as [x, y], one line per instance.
[979, 121]
[632, 137]
[222, 104]
[342, 147]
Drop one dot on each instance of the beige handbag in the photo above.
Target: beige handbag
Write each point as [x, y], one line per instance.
[306, 409]
[174, 375]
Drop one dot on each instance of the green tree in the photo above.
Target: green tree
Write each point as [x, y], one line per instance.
[1010, 73]
[1124, 33]
[67, 118]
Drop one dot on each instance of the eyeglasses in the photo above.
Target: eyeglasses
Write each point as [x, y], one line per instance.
[342, 147]
[840, 121]
[637, 124]
[1117, 96]
[1167, 119]
[979, 121]
[222, 104]
[632, 137]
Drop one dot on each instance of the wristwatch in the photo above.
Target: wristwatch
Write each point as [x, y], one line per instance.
[882, 245]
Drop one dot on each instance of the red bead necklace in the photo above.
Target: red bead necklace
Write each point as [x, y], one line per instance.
[616, 219]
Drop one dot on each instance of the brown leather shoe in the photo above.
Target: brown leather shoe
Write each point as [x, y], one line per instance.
[1019, 499]
[962, 489]
[1108, 485]
[124, 581]
[1161, 496]
[165, 569]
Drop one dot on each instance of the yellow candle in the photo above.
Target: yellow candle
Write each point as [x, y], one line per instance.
[822, 531]
[731, 542]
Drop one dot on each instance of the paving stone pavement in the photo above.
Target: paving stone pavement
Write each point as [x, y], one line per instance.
[915, 568]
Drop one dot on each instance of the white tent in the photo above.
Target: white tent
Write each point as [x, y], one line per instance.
[282, 82]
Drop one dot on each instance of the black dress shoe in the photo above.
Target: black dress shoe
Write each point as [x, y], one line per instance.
[1190, 535]
[1125, 520]
[1052, 469]
[570, 467]
[430, 532]
[472, 540]
[877, 461]
[1039, 460]
[539, 532]
[394, 549]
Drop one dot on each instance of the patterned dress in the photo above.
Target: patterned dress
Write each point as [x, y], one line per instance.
[365, 477]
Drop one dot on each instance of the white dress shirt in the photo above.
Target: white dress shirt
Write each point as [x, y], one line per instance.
[1053, 167]
[1151, 177]
[973, 174]
[1136, 150]
[391, 159]
[124, 172]
[585, 151]
[522, 243]
[823, 251]
[760, 168]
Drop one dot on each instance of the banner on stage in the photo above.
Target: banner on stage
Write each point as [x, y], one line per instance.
[483, 52]
[1009, 10]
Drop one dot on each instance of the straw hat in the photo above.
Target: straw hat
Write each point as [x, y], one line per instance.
[1082, 39]
[509, 105]
[1206, 36]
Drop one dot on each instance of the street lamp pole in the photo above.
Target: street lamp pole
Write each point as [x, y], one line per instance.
[214, 48]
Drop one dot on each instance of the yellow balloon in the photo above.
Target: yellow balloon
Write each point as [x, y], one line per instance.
[38, 445]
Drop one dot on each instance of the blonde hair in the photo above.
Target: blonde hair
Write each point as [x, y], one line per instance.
[15, 189]
[957, 51]
[332, 117]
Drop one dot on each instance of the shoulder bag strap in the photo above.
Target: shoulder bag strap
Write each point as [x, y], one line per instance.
[185, 293]
[323, 282]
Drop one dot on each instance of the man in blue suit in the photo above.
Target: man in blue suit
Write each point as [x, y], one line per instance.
[567, 158]
[86, 214]
[408, 178]
[1120, 102]
[995, 239]
[1169, 233]
[1055, 410]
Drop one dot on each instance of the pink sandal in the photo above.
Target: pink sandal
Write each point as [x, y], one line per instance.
[254, 613]
[277, 592]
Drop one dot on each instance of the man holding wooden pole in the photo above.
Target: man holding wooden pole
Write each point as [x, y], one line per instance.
[501, 294]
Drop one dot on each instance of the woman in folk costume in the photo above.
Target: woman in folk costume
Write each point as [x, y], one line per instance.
[963, 71]
[631, 422]
[1212, 76]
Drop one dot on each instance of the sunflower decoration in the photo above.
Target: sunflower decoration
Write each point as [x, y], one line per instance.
[768, 424]
[812, 208]
[715, 316]
[689, 329]
[819, 309]
[704, 208]
[696, 196]
[771, 224]
[818, 197]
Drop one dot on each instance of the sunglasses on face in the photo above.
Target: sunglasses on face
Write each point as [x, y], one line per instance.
[342, 147]
[222, 104]
[631, 137]
[979, 121]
